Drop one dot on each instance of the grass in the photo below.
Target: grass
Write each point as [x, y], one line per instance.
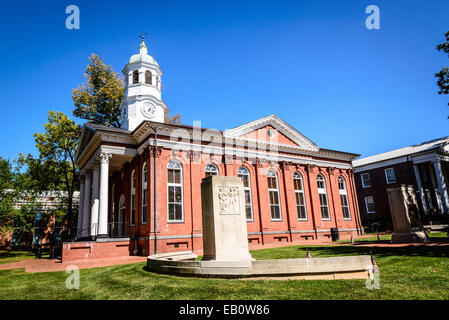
[18, 255]
[405, 273]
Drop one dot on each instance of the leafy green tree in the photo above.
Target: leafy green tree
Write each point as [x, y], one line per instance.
[443, 75]
[16, 201]
[98, 99]
[6, 194]
[55, 168]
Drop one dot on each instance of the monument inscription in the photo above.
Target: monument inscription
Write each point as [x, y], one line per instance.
[228, 200]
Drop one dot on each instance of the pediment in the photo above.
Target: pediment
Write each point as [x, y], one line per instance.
[272, 129]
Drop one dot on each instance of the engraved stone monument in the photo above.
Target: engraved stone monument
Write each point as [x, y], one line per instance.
[405, 214]
[225, 236]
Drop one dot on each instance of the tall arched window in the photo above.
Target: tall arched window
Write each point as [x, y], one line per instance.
[144, 194]
[344, 198]
[121, 216]
[148, 77]
[273, 193]
[211, 170]
[243, 173]
[321, 183]
[135, 76]
[299, 195]
[174, 186]
[132, 217]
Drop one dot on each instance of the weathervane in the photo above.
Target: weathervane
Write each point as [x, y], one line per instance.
[142, 35]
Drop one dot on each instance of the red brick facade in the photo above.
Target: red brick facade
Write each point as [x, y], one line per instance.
[186, 235]
[286, 154]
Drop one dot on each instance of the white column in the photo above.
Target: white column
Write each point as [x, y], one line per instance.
[441, 185]
[86, 205]
[95, 200]
[104, 181]
[80, 208]
[420, 189]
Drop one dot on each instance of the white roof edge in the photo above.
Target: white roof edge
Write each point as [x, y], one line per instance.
[427, 146]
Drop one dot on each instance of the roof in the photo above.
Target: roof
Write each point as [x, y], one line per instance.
[428, 146]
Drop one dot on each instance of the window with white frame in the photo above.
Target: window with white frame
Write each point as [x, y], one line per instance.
[144, 194]
[324, 206]
[390, 176]
[369, 202]
[243, 173]
[174, 186]
[299, 195]
[366, 182]
[133, 199]
[344, 198]
[273, 193]
[211, 170]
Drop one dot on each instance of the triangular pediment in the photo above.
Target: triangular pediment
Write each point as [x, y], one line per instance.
[272, 129]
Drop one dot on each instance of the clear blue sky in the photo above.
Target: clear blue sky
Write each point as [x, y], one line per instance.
[313, 63]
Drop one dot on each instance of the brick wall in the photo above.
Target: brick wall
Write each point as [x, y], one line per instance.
[404, 175]
[261, 230]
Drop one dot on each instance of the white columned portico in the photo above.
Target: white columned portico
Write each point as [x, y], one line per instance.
[420, 188]
[95, 200]
[86, 205]
[441, 185]
[80, 208]
[104, 186]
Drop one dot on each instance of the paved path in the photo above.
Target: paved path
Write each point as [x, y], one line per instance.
[50, 265]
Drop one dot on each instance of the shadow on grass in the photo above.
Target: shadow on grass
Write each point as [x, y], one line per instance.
[365, 248]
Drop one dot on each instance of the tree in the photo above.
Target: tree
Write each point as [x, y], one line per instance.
[55, 168]
[443, 75]
[171, 119]
[16, 201]
[98, 100]
[6, 195]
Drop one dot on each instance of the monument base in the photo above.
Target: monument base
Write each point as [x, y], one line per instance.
[409, 237]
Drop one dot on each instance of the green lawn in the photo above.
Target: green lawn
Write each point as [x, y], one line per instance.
[405, 273]
[15, 256]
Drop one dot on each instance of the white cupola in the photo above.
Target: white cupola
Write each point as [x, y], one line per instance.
[142, 100]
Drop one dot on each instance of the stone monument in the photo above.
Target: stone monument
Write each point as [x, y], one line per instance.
[225, 238]
[405, 214]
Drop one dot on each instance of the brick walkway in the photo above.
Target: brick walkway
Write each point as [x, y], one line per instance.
[50, 265]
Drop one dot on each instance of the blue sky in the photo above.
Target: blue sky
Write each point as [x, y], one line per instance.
[225, 63]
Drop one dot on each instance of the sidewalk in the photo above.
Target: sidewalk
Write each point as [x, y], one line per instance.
[51, 265]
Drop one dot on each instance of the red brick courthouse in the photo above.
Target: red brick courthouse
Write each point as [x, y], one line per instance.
[140, 184]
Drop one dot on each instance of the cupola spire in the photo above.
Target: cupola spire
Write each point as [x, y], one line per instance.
[143, 49]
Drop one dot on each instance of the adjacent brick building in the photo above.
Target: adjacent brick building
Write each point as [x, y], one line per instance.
[424, 166]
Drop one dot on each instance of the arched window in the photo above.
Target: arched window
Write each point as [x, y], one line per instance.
[273, 193]
[174, 186]
[121, 216]
[132, 217]
[344, 198]
[148, 77]
[211, 170]
[135, 76]
[113, 213]
[299, 195]
[321, 183]
[144, 194]
[243, 173]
